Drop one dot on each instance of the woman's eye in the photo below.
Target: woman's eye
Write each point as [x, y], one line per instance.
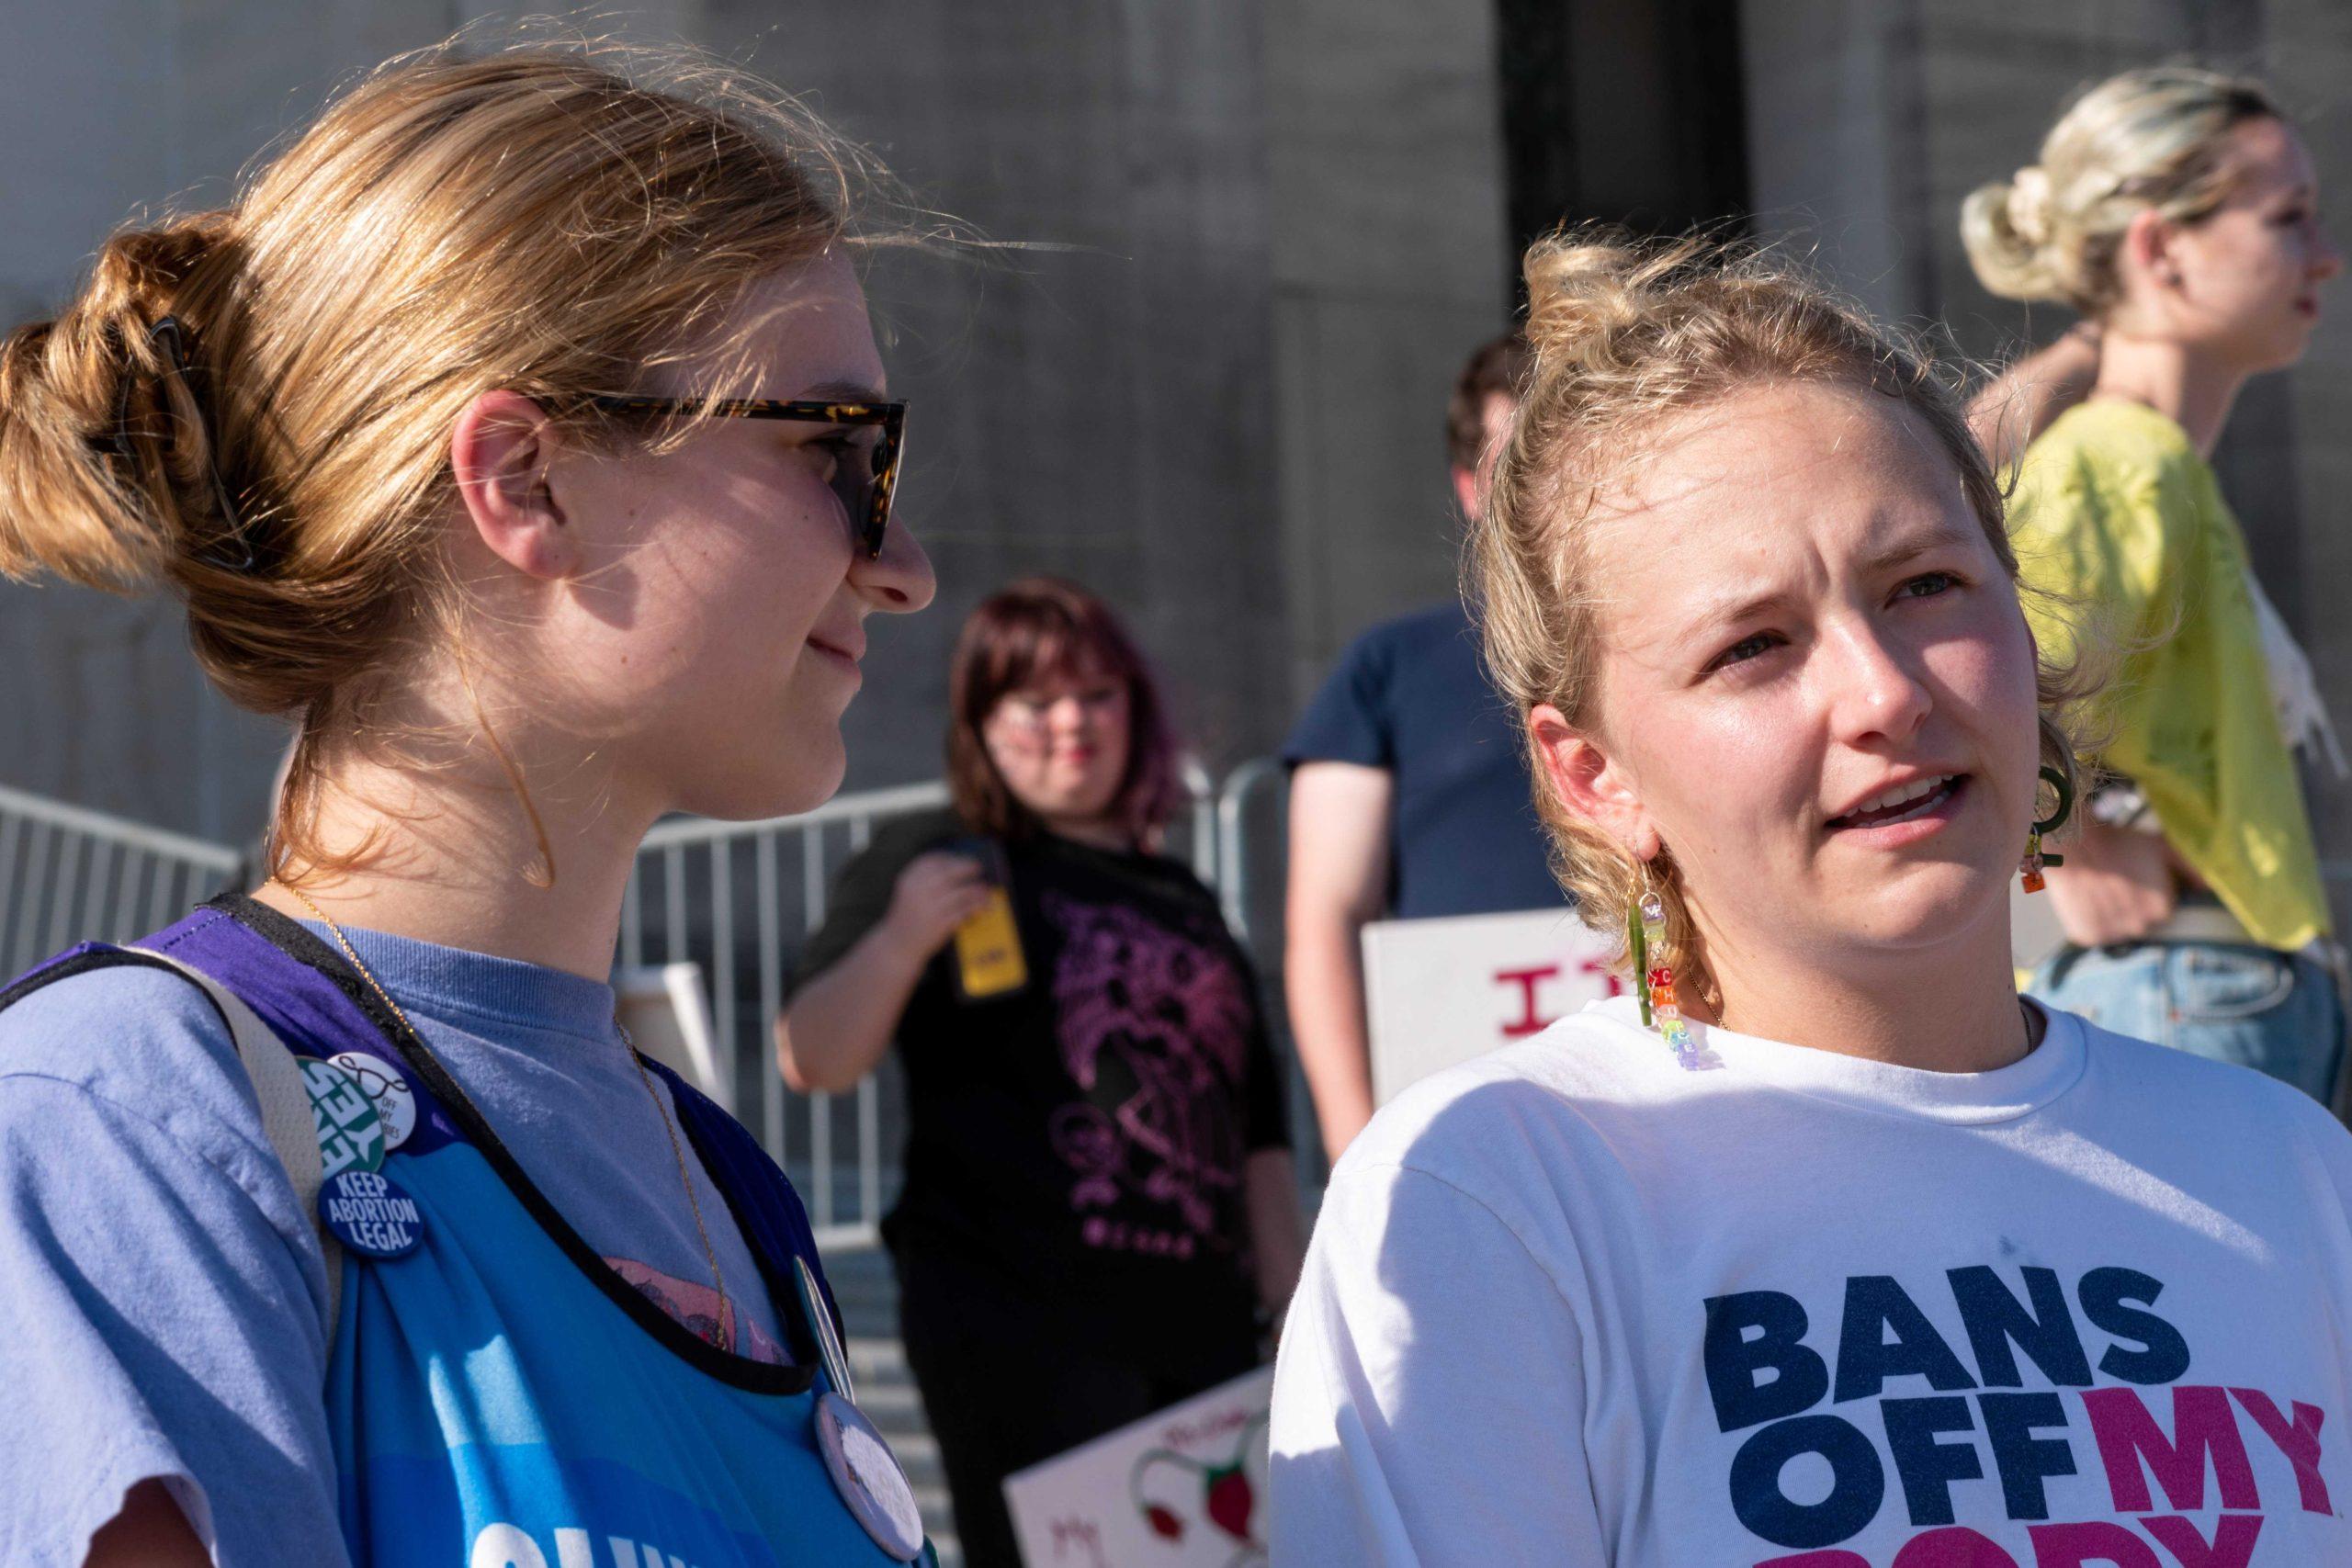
[833, 451]
[1927, 585]
[1742, 651]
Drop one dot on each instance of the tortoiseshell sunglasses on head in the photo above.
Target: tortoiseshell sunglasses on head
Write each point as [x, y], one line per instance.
[865, 490]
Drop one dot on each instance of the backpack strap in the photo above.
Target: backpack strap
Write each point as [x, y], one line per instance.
[286, 1116]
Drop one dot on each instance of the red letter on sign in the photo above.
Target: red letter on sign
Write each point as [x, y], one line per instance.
[1529, 1022]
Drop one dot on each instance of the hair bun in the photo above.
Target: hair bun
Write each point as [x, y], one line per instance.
[2028, 205]
[80, 400]
[2006, 228]
[1583, 286]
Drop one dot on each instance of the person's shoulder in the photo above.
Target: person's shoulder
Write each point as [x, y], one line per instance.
[1401, 637]
[2111, 445]
[1418, 632]
[119, 1026]
[1482, 1124]
[145, 1044]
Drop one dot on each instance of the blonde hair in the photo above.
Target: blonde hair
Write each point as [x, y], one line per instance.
[1627, 335]
[2155, 138]
[555, 219]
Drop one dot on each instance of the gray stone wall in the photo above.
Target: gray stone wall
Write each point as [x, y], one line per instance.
[1390, 260]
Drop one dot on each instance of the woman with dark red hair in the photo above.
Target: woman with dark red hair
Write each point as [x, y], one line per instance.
[1099, 1194]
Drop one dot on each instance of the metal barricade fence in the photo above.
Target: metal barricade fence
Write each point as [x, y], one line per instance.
[738, 899]
[68, 875]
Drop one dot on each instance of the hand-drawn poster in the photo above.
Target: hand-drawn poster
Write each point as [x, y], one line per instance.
[1185, 1488]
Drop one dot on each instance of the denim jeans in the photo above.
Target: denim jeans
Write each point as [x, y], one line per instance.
[2279, 1013]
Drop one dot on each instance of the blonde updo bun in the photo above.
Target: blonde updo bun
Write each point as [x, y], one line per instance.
[2155, 138]
[2006, 228]
[1580, 292]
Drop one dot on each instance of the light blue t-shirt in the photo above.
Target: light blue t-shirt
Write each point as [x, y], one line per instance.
[162, 1315]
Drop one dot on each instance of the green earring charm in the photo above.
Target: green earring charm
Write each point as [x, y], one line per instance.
[1654, 982]
[2036, 858]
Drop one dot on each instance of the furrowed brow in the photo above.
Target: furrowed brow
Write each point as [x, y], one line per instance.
[1901, 552]
[1731, 612]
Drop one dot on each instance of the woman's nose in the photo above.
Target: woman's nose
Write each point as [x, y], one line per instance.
[2327, 262]
[1876, 696]
[899, 580]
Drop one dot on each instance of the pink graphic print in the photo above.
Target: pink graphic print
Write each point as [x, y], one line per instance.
[697, 1307]
[1154, 1028]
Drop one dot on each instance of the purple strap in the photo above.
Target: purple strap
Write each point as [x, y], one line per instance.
[78, 949]
[303, 1008]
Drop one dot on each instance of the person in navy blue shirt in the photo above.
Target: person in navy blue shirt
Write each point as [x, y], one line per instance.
[1409, 791]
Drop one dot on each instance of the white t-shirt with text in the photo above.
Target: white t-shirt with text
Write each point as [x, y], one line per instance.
[1573, 1304]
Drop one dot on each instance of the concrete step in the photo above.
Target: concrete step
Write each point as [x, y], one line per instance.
[873, 1358]
[867, 1291]
[895, 1406]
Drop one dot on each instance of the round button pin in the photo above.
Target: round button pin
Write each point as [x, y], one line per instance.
[387, 1090]
[371, 1214]
[351, 1135]
[866, 1473]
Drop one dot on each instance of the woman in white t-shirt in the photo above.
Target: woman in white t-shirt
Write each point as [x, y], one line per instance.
[1842, 1255]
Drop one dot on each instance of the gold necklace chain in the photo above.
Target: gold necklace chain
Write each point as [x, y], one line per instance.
[678, 1153]
[677, 1150]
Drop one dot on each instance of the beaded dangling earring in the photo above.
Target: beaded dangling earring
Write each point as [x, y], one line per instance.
[2036, 858]
[1653, 981]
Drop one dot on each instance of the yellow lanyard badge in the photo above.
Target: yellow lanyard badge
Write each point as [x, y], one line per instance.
[988, 960]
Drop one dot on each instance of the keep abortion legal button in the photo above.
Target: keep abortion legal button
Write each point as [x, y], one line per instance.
[368, 1212]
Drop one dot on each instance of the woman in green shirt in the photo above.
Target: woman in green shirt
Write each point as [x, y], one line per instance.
[2176, 210]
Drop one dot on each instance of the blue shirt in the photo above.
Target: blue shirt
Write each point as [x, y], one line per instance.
[1412, 697]
[164, 1311]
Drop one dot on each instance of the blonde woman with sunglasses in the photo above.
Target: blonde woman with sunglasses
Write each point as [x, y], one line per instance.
[519, 435]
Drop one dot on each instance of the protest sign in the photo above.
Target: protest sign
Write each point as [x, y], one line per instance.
[1185, 1488]
[1441, 991]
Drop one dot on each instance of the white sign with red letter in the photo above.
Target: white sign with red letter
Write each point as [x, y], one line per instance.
[1185, 1487]
[1441, 991]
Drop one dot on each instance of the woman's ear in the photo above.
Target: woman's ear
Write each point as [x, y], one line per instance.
[2148, 258]
[1588, 782]
[500, 453]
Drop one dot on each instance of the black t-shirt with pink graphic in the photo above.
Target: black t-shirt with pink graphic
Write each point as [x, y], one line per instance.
[1082, 1139]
